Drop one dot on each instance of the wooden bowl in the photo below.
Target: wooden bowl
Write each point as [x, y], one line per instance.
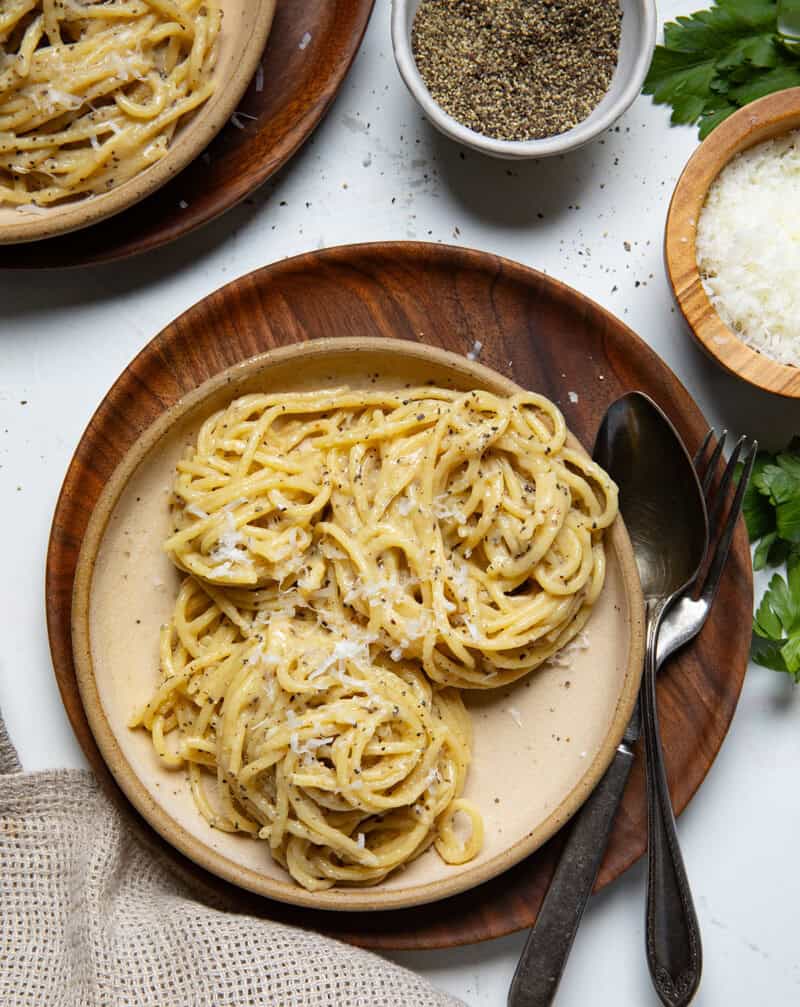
[540, 747]
[777, 113]
[245, 29]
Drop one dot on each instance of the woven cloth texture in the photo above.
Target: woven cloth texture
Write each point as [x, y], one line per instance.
[89, 917]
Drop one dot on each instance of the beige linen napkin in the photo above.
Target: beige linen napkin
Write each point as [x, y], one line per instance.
[90, 917]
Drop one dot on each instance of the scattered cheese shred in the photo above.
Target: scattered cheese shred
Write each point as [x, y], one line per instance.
[748, 247]
[515, 715]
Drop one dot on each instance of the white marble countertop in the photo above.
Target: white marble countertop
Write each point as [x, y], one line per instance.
[374, 170]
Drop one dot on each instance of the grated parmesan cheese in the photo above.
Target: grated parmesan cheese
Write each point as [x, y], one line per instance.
[310, 745]
[472, 629]
[515, 715]
[442, 511]
[122, 70]
[55, 98]
[748, 247]
[230, 548]
[564, 658]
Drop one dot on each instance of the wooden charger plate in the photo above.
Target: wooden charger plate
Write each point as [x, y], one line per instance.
[297, 88]
[544, 335]
[540, 745]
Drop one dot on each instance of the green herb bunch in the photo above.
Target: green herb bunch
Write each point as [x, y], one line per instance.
[772, 512]
[718, 60]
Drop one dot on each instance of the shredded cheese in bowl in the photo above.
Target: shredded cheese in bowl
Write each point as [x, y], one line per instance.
[748, 247]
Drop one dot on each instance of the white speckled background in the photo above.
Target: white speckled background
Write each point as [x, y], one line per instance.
[595, 218]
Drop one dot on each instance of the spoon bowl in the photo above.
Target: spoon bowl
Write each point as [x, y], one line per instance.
[659, 492]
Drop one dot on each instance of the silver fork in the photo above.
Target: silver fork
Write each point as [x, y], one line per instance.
[688, 615]
[672, 933]
[545, 954]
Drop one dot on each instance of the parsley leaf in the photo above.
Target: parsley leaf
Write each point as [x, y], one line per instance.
[767, 653]
[771, 510]
[776, 628]
[718, 60]
[759, 515]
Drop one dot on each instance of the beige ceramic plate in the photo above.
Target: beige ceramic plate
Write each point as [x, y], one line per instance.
[527, 779]
[245, 28]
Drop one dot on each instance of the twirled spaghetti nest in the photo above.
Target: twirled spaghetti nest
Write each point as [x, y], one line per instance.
[460, 526]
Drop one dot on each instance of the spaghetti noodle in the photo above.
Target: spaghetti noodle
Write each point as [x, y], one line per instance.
[460, 527]
[91, 92]
[306, 735]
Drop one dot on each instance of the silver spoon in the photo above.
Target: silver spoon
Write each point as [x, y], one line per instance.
[544, 957]
[665, 514]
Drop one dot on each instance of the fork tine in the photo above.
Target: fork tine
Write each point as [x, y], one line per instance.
[702, 449]
[715, 512]
[724, 542]
[713, 461]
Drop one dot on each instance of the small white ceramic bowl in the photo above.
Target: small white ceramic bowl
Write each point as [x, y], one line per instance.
[636, 50]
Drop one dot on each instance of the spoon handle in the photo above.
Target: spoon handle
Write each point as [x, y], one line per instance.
[672, 933]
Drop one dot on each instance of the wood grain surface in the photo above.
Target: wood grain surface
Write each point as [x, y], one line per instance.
[548, 338]
[299, 85]
[777, 113]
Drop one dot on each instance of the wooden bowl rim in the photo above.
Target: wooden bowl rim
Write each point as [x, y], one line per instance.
[286, 891]
[193, 137]
[769, 116]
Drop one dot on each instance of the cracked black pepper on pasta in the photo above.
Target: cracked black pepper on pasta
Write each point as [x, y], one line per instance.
[517, 69]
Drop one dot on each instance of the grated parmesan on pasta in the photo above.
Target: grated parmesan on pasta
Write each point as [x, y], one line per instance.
[748, 247]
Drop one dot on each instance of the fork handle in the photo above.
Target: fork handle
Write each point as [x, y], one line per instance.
[672, 933]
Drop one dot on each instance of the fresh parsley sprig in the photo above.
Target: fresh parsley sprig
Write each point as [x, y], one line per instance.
[718, 60]
[772, 512]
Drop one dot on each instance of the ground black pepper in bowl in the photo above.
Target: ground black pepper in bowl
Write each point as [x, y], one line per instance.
[517, 69]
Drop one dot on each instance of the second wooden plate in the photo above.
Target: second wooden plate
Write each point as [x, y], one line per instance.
[310, 49]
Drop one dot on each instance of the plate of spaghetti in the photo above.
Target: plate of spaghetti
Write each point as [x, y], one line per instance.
[101, 103]
[356, 623]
